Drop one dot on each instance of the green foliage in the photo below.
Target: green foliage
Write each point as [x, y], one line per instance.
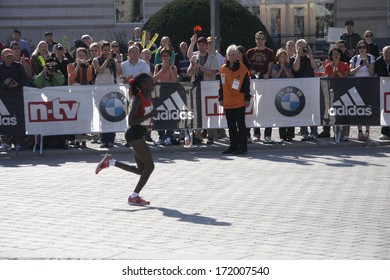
[178, 18]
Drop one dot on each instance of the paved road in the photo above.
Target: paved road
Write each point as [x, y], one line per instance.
[272, 204]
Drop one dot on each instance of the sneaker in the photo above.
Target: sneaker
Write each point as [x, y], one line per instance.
[18, 147]
[77, 144]
[168, 141]
[83, 144]
[305, 138]
[5, 148]
[159, 142]
[268, 140]
[197, 141]
[313, 137]
[384, 137]
[137, 201]
[256, 138]
[104, 163]
[360, 136]
[366, 136]
[210, 141]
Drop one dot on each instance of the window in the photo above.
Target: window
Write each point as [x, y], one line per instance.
[324, 18]
[129, 11]
[299, 22]
[275, 25]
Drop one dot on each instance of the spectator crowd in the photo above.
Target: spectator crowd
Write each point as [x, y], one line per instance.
[100, 63]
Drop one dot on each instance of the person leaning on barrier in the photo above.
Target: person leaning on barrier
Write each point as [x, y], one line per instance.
[338, 69]
[382, 69]
[303, 65]
[12, 75]
[203, 67]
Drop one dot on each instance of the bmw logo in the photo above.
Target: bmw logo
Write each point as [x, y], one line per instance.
[113, 106]
[290, 101]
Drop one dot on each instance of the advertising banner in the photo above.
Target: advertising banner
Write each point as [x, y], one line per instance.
[352, 101]
[75, 109]
[385, 101]
[11, 111]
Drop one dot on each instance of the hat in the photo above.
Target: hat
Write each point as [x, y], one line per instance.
[50, 61]
[202, 40]
[348, 22]
[209, 39]
[48, 33]
[59, 47]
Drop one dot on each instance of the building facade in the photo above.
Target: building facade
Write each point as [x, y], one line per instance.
[313, 20]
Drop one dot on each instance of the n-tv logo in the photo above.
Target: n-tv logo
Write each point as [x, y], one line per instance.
[212, 107]
[52, 111]
[173, 109]
[5, 117]
[350, 104]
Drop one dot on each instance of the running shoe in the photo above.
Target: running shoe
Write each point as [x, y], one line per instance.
[104, 163]
[137, 201]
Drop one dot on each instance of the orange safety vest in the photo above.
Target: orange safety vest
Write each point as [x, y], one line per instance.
[231, 85]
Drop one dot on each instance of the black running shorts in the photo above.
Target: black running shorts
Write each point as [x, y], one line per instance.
[135, 132]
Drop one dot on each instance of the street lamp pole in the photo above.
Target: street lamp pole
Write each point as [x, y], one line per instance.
[214, 25]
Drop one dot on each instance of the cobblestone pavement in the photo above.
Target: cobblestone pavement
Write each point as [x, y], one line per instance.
[274, 203]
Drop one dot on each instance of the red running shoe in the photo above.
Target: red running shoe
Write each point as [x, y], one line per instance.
[137, 201]
[104, 163]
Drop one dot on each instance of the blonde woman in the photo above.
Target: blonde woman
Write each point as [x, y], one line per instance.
[165, 43]
[39, 56]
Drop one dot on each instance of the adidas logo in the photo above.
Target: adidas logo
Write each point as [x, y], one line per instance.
[173, 108]
[350, 104]
[5, 118]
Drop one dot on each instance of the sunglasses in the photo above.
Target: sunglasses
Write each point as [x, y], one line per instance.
[115, 46]
[362, 47]
[261, 39]
[368, 36]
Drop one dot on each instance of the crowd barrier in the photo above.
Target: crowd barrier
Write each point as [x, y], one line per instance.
[275, 103]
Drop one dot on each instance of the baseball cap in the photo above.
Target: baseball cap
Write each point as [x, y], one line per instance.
[48, 33]
[202, 40]
[50, 61]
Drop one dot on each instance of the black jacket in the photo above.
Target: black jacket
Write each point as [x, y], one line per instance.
[380, 67]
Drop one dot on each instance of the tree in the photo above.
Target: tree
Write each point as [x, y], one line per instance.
[178, 18]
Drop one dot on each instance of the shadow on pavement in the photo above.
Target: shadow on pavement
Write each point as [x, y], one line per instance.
[195, 218]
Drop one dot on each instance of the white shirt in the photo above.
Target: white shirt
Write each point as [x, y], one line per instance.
[363, 71]
[134, 69]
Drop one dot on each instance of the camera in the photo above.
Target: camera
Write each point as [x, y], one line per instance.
[304, 49]
[51, 68]
[362, 62]
[113, 55]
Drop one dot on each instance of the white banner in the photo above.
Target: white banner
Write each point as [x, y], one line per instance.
[275, 102]
[385, 101]
[75, 109]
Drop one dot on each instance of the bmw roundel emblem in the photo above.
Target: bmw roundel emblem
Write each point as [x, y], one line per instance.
[290, 101]
[113, 106]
